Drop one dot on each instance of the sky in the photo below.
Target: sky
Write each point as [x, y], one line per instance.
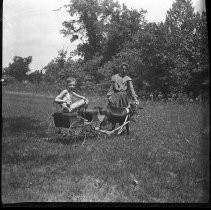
[32, 27]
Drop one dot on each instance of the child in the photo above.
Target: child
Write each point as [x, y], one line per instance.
[65, 97]
[121, 89]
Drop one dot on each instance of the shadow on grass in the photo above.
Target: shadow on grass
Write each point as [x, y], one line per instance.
[72, 138]
[67, 140]
[21, 125]
[38, 160]
[61, 140]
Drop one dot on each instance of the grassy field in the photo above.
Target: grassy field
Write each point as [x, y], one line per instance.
[163, 160]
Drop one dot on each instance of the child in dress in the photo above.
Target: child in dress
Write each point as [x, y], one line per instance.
[65, 97]
[121, 89]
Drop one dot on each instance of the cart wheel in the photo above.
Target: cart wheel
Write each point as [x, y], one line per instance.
[76, 134]
[89, 131]
[92, 132]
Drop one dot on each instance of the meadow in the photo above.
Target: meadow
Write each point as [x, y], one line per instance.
[165, 159]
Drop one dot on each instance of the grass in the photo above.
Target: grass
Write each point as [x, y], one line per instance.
[163, 160]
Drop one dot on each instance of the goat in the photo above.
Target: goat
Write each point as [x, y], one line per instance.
[110, 115]
[113, 115]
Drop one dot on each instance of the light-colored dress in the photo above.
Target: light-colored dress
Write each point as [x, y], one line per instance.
[121, 91]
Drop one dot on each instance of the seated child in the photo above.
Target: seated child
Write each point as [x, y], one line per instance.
[65, 97]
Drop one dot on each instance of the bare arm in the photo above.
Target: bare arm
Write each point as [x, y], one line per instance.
[59, 98]
[132, 90]
[77, 95]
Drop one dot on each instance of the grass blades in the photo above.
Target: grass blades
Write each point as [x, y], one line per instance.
[165, 159]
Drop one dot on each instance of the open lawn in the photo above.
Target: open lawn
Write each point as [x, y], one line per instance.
[163, 160]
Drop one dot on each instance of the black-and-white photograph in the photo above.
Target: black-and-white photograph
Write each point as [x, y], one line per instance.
[105, 102]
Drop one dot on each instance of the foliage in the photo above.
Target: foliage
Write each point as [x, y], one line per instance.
[51, 72]
[170, 57]
[186, 46]
[35, 77]
[7, 79]
[61, 58]
[88, 24]
[18, 68]
[104, 26]
[60, 68]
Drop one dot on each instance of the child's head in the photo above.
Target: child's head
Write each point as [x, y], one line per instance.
[124, 69]
[71, 82]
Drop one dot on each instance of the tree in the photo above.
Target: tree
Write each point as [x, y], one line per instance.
[201, 55]
[144, 54]
[182, 43]
[124, 24]
[85, 25]
[35, 77]
[51, 74]
[102, 25]
[19, 68]
[61, 58]
[55, 70]
[168, 56]
[59, 68]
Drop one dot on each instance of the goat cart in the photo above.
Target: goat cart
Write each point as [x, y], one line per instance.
[83, 123]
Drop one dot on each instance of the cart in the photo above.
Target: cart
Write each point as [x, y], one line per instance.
[79, 125]
[74, 126]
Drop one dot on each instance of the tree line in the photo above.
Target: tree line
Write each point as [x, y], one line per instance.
[168, 57]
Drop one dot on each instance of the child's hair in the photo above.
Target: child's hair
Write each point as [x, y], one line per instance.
[71, 79]
[125, 64]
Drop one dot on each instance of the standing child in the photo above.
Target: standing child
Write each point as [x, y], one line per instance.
[65, 97]
[121, 89]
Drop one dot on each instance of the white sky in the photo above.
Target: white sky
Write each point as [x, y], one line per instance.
[31, 28]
